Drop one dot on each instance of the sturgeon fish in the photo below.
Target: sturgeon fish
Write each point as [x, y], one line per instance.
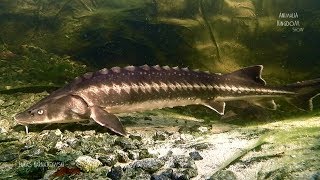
[102, 94]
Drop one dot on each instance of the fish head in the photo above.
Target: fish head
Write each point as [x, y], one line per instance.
[63, 109]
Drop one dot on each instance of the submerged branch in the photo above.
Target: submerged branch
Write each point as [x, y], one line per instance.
[241, 153]
[210, 28]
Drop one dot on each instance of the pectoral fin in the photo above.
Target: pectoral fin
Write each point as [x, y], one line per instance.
[216, 106]
[107, 120]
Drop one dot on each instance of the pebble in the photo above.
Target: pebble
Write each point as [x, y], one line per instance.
[203, 129]
[160, 177]
[33, 152]
[223, 175]
[315, 176]
[122, 156]
[125, 143]
[135, 137]
[115, 173]
[32, 169]
[147, 118]
[60, 145]
[87, 163]
[73, 142]
[5, 138]
[149, 164]
[144, 153]
[135, 174]
[163, 175]
[200, 146]
[133, 154]
[58, 132]
[184, 174]
[195, 155]
[3, 130]
[108, 160]
[182, 161]
[8, 155]
[160, 136]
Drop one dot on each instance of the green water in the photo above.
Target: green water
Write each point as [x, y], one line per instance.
[46, 43]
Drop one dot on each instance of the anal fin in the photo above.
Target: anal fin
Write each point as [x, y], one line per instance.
[217, 106]
[107, 120]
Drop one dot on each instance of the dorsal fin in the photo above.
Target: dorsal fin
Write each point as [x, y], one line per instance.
[251, 73]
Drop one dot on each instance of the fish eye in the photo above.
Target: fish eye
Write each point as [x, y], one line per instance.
[40, 111]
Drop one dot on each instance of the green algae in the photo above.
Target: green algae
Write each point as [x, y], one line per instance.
[35, 67]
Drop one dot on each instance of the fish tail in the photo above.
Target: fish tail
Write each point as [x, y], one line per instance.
[305, 91]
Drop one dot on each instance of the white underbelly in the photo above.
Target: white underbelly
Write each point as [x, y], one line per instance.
[151, 104]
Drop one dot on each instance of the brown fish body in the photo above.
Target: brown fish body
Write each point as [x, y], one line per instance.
[104, 93]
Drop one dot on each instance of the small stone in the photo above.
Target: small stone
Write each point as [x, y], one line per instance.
[32, 153]
[150, 164]
[144, 153]
[32, 169]
[135, 137]
[108, 160]
[186, 137]
[316, 176]
[190, 172]
[60, 145]
[89, 133]
[3, 130]
[125, 143]
[50, 138]
[73, 142]
[58, 132]
[122, 156]
[147, 118]
[8, 155]
[203, 129]
[223, 175]
[26, 147]
[87, 163]
[183, 162]
[133, 154]
[160, 136]
[67, 158]
[115, 173]
[195, 155]
[160, 177]
[184, 174]
[163, 175]
[138, 174]
[200, 146]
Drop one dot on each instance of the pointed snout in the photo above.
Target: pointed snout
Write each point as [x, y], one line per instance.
[20, 118]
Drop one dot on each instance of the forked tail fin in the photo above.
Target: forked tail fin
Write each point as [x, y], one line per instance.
[305, 92]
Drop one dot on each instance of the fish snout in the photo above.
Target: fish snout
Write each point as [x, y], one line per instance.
[19, 118]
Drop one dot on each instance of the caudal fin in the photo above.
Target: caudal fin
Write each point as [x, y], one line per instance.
[305, 92]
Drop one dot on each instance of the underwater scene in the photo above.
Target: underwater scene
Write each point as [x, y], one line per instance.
[160, 89]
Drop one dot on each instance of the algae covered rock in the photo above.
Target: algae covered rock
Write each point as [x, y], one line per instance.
[149, 164]
[87, 163]
[195, 155]
[9, 154]
[223, 175]
[34, 169]
[116, 172]
[108, 159]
